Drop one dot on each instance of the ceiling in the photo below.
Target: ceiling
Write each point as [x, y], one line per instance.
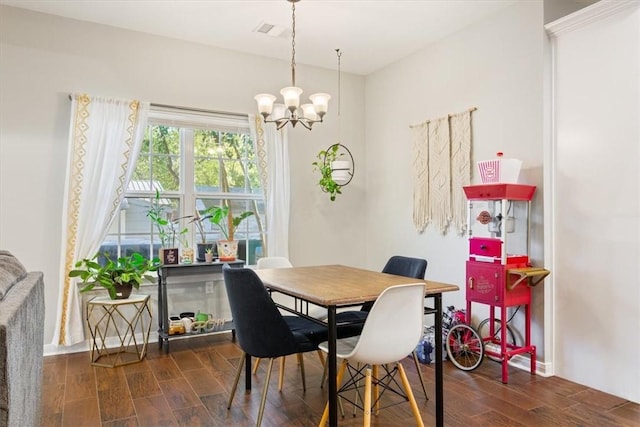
[370, 34]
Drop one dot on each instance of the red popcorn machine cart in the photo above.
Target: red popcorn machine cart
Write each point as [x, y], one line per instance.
[499, 273]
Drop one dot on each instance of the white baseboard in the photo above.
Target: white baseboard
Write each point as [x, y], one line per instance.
[112, 342]
[523, 362]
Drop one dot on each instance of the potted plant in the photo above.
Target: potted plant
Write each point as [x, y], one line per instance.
[198, 220]
[223, 218]
[118, 276]
[324, 165]
[186, 254]
[168, 231]
[208, 255]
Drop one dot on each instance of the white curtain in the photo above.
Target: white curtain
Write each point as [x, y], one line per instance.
[273, 161]
[104, 142]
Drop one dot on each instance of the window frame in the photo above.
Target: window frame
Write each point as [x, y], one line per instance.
[188, 121]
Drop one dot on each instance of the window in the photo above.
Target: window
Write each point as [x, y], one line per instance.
[194, 160]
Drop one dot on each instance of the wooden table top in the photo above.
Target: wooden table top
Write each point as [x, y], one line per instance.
[339, 285]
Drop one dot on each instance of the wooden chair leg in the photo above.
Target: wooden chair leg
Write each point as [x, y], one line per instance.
[235, 383]
[324, 375]
[256, 365]
[412, 399]
[321, 356]
[301, 363]
[367, 398]
[417, 362]
[325, 414]
[356, 391]
[281, 377]
[264, 392]
[376, 389]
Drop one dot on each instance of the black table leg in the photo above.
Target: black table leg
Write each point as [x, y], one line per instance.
[247, 372]
[332, 360]
[160, 310]
[439, 378]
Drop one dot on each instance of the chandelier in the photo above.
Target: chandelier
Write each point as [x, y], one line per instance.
[291, 111]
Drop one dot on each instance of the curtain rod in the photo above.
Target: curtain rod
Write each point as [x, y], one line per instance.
[195, 110]
[199, 110]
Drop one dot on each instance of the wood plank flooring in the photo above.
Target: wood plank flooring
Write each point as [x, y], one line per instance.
[190, 387]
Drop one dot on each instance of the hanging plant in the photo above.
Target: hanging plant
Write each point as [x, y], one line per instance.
[323, 165]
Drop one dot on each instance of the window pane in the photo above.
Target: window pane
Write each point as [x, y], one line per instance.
[207, 161]
[166, 173]
[159, 159]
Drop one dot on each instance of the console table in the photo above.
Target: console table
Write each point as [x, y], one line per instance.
[181, 271]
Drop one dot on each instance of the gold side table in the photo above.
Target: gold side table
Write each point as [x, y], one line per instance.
[119, 330]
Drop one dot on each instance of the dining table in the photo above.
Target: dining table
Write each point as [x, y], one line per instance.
[335, 287]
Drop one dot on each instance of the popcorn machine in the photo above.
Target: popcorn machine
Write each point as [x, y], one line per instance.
[499, 273]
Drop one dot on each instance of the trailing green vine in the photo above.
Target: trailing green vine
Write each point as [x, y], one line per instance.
[323, 165]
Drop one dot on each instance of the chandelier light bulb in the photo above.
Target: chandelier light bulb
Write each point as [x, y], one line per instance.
[265, 103]
[309, 112]
[291, 97]
[279, 112]
[320, 102]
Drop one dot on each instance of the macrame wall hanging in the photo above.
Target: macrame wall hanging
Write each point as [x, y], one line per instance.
[441, 167]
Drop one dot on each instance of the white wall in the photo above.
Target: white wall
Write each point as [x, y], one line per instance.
[595, 201]
[495, 65]
[44, 58]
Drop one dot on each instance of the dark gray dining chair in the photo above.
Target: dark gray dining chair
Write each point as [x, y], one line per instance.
[262, 331]
[351, 322]
[282, 262]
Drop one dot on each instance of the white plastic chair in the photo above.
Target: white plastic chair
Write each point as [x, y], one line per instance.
[391, 332]
[281, 262]
[273, 262]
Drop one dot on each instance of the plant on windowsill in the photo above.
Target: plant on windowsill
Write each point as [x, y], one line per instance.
[118, 276]
[156, 214]
[223, 218]
[203, 245]
[324, 166]
[186, 253]
[208, 255]
[168, 231]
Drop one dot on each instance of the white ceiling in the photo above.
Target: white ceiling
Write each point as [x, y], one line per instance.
[370, 34]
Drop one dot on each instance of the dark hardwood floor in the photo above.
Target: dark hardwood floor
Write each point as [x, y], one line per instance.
[189, 387]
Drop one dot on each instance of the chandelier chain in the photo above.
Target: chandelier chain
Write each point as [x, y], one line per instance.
[293, 44]
[339, 54]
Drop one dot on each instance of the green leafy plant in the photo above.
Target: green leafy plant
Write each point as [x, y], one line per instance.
[198, 220]
[209, 251]
[156, 214]
[323, 165]
[222, 217]
[130, 269]
[168, 229]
